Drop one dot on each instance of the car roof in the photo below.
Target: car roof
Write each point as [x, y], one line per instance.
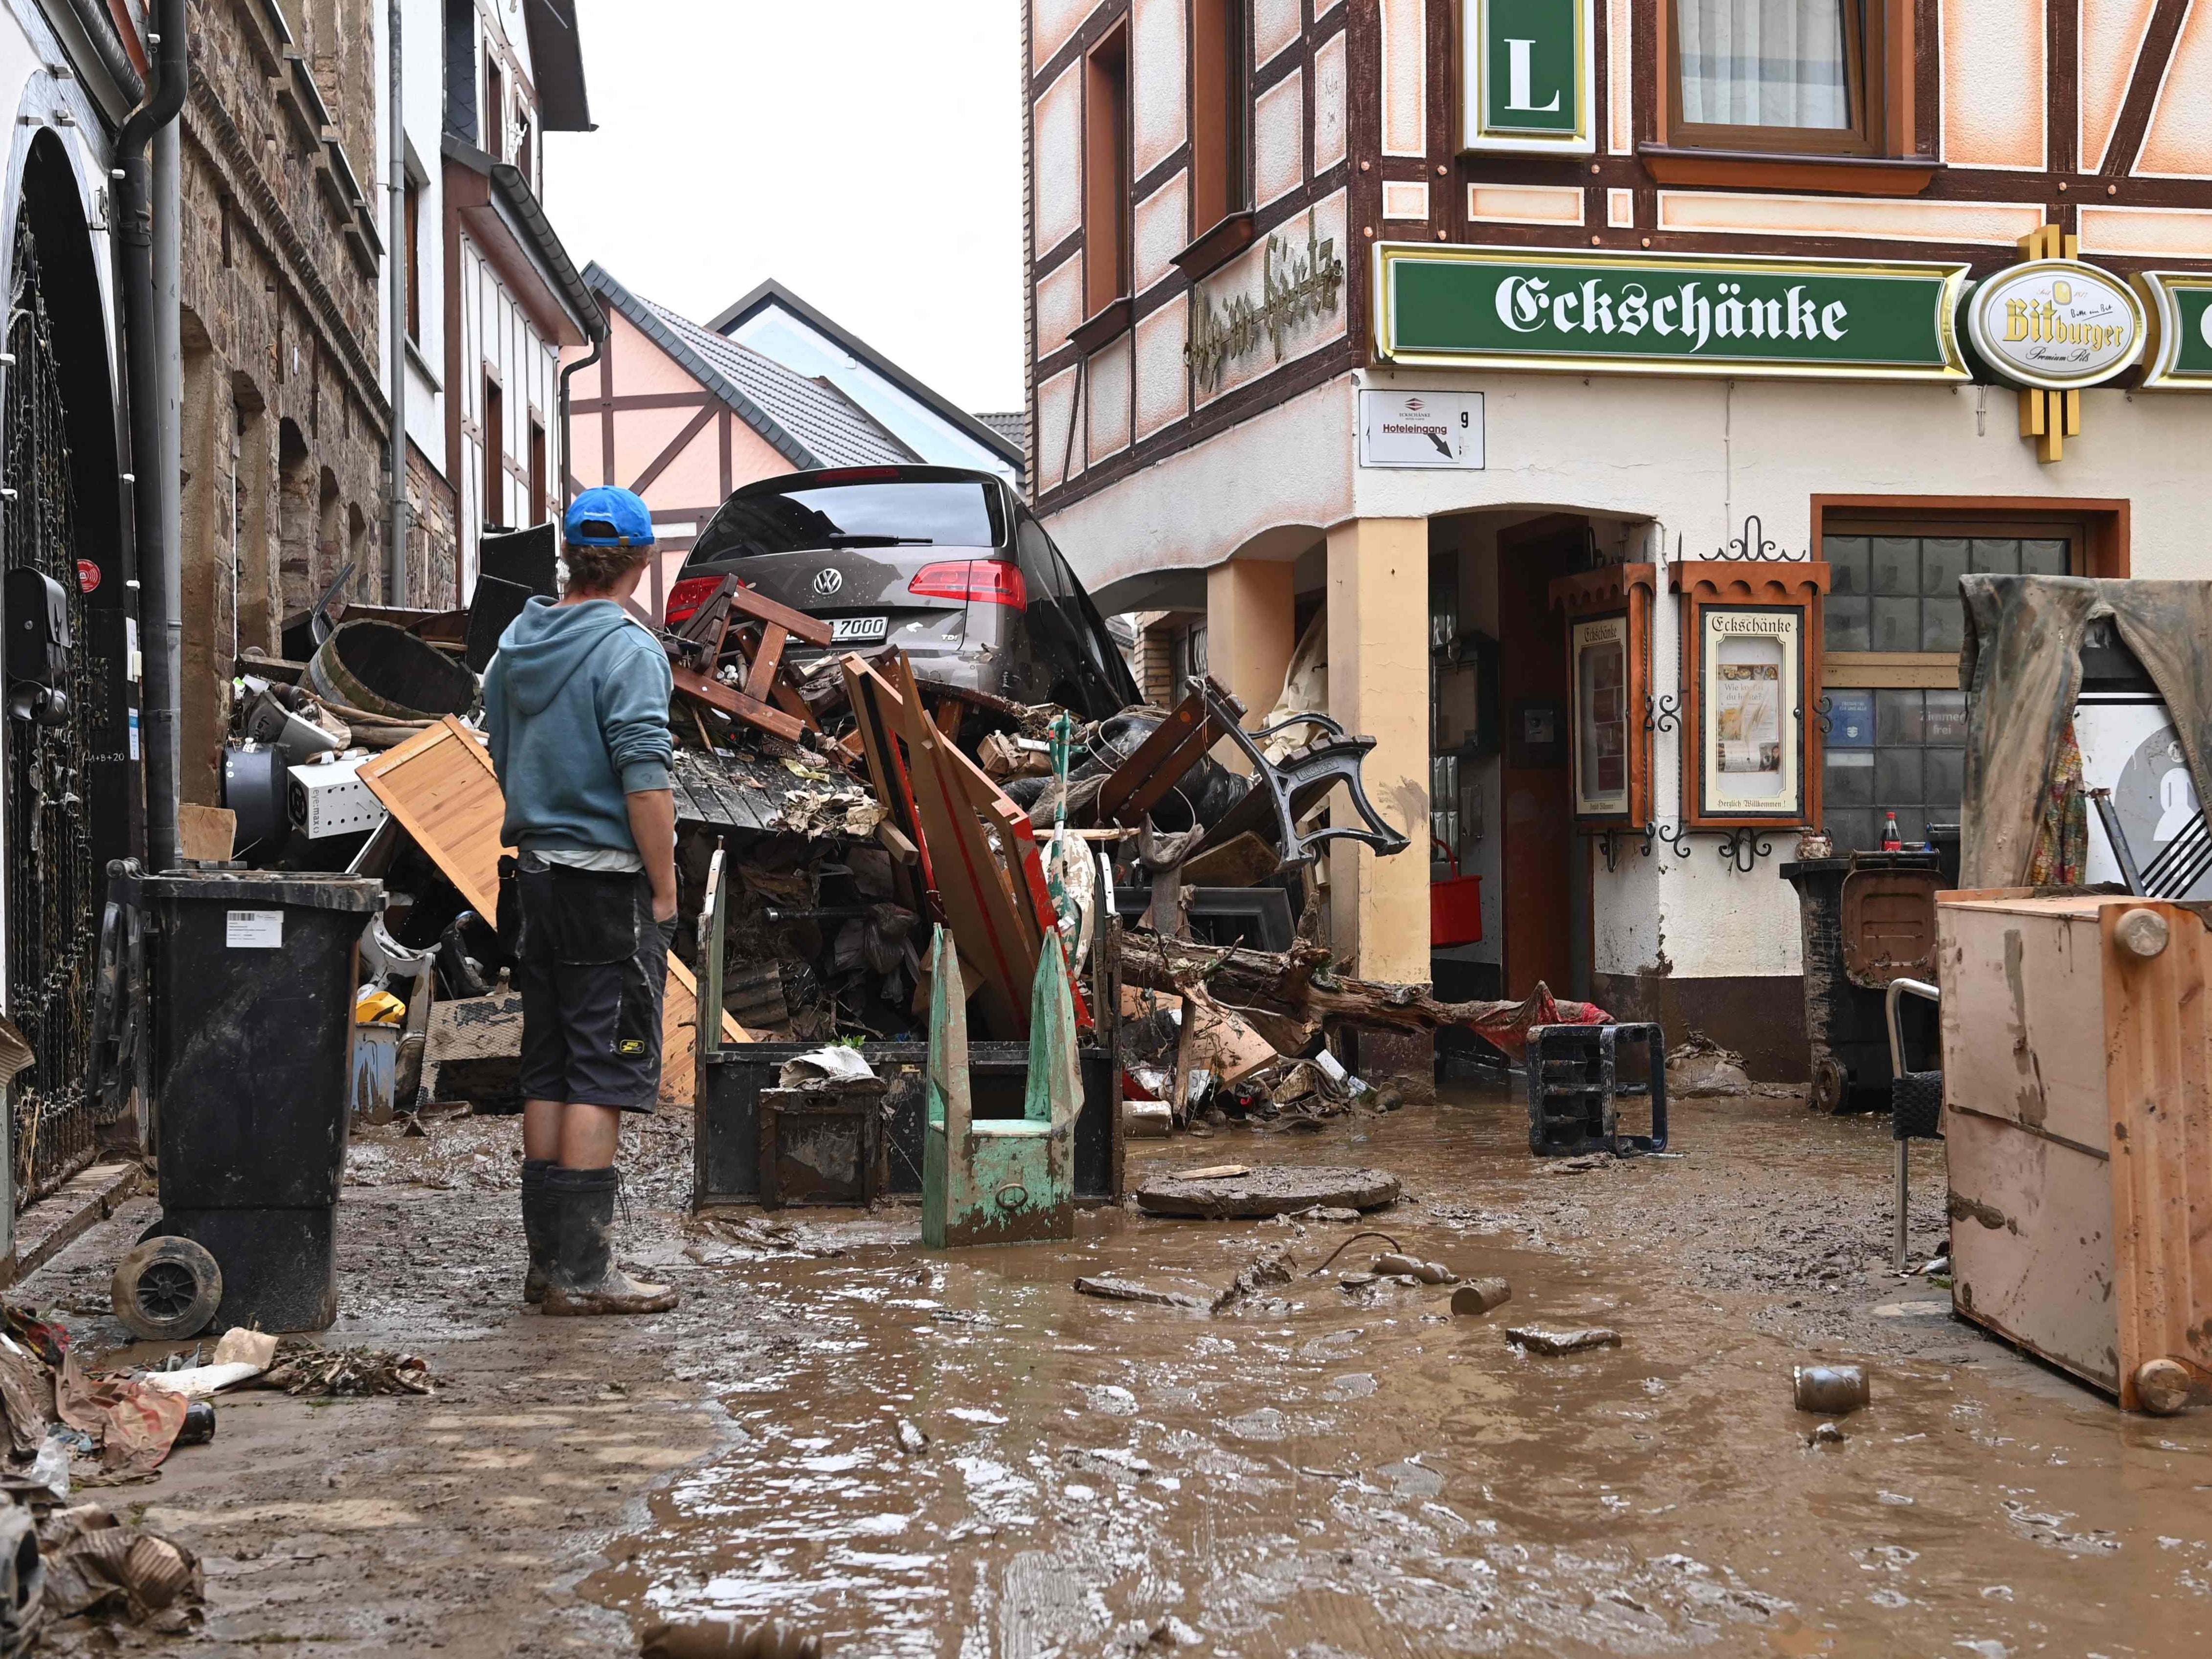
[903, 473]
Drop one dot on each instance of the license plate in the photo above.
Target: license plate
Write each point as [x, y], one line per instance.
[847, 630]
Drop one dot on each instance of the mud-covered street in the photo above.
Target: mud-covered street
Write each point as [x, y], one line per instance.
[1320, 1472]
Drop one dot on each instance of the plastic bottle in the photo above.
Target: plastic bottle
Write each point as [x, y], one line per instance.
[1892, 840]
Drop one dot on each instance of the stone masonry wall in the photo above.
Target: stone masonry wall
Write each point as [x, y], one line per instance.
[285, 413]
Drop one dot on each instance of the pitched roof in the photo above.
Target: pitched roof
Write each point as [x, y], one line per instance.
[556, 65]
[774, 293]
[810, 424]
[1011, 424]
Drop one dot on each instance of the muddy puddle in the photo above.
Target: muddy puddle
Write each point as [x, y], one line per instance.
[1362, 1473]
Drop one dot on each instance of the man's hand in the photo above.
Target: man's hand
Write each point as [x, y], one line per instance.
[652, 827]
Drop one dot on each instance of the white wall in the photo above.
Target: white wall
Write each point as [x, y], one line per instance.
[495, 330]
[1689, 459]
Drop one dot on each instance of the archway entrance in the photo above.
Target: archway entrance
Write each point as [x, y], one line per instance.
[66, 806]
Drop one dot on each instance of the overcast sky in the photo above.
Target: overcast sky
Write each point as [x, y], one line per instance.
[866, 153]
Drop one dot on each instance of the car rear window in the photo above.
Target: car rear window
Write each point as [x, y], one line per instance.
[919, 513]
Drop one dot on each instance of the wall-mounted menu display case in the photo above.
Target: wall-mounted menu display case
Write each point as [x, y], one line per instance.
[1608, 618]
[1751, 670]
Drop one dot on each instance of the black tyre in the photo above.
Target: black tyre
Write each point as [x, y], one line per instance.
[167, 1289]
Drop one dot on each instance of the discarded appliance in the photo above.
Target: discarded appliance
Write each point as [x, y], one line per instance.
[329, 799]
[823, 1143]
[254, 1020]
[2077, 1067]
[999, 1181]
[1576, 1085]
[256, 786]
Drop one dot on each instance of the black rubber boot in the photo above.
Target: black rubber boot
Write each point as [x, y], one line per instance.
[583, 1279]
[538, 1227]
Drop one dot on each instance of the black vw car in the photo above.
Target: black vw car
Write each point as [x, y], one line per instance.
[945, 563]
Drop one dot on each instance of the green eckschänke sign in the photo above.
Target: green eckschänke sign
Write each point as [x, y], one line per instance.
[1669, 314]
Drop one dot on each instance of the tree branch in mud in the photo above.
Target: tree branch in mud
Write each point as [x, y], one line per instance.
[1298, 985]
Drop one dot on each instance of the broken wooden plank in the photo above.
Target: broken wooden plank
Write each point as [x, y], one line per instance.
[981, 907]
[736, 704]
[441, 786]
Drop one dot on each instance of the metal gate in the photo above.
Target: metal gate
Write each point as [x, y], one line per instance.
[51, 922]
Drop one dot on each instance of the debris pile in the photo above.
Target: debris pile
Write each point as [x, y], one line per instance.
[850, 804]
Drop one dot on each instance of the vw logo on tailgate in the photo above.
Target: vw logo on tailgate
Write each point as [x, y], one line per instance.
[828, 582]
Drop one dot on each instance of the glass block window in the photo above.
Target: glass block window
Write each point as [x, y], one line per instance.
[1900, 592]
[1897, 729]
[1892, 751]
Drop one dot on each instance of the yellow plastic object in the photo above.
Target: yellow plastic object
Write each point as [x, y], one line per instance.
[376, 1007]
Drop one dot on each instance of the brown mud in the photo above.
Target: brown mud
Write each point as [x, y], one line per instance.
[1316, 1471]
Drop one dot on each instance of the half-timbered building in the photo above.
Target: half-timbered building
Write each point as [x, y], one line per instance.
[1616, 388]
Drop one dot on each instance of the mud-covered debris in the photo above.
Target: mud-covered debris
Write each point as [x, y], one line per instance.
[1578, 1166]
[1832, 1390]
[1273, 1268]
[727, 1639]
[1269, 1190]
[1126, 1290]
[912, 1441]
[96, 1566]
[1357, 1281]
[1481, 1296]
[1698, 1066]
[1170, 1633]
[335, 1372]
[1406, 1266]
[1828, 1434]
[1330, 1214]
[1216, 1172]
[1537, 1340]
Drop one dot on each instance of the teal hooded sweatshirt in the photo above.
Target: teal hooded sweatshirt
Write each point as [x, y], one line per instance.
[576, 702]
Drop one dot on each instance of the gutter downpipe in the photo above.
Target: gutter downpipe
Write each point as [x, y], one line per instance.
[160, 625]
[598, 347]
[399, 514]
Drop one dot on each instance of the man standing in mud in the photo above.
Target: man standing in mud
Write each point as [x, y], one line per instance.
[577, 705]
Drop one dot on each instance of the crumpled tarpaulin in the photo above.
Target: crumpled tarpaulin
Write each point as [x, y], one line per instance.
[2020, 668]
[1506, 1025]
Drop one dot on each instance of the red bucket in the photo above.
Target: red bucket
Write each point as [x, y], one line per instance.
[1455, 907]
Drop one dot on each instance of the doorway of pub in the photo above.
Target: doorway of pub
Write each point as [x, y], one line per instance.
[1502, 806]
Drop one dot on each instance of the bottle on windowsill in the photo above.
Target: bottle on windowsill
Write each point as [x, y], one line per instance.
[1892, 841]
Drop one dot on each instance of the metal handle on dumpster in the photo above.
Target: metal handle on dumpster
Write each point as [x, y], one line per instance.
[1897, 987]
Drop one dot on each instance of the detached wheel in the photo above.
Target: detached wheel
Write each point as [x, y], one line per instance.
[167, 1290]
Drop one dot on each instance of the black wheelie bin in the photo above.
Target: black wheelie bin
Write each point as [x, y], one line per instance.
[253, 975]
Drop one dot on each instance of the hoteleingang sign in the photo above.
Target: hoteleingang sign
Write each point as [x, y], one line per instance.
[1529, 308]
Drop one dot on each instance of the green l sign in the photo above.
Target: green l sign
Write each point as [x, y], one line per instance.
[2179, 355]
[1529, 78]
[1526, 308]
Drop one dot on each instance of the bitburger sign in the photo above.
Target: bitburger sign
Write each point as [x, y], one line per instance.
[2056, 323]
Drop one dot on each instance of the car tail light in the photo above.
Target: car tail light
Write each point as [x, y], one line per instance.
[992, 580]
[688, 595]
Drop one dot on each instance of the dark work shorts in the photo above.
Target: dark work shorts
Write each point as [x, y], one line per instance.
[591, 964]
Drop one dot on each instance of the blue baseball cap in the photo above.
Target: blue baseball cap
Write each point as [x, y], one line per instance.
[606, 515]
